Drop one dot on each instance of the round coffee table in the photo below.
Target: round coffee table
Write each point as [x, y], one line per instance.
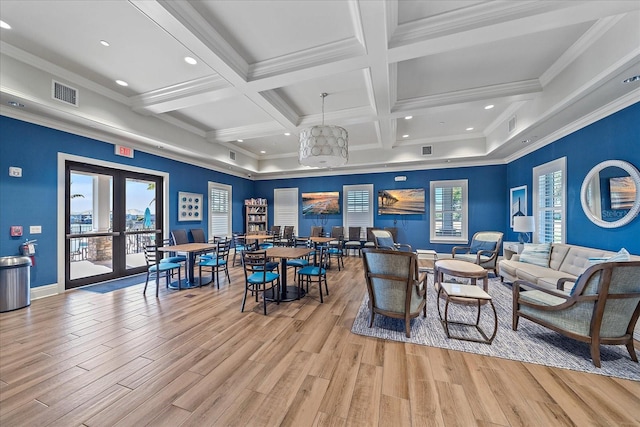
[462, 269]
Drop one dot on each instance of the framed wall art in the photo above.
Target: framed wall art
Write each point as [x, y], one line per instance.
[189, 206]
[517, 202]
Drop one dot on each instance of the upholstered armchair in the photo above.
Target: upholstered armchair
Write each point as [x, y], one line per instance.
[483, 250]
[394, 285]
[383, 239]
[602, 307]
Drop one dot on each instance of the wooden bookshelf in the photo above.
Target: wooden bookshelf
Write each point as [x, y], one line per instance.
[255, 215]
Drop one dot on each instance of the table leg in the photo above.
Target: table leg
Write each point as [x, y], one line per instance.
[189, 280]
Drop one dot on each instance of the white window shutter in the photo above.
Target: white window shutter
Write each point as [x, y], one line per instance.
[285, 207]
[358, 207]
[219, 210]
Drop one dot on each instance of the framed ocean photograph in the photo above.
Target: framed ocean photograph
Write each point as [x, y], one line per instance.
[401, 202]
[321, 203]
[517, 202]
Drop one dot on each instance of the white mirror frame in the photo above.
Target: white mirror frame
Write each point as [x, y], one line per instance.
[633, 212]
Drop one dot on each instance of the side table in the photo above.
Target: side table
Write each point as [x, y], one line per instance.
[472, 293]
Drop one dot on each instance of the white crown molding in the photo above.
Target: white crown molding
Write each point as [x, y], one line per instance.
[621, 103]
[245, 132]
[476, 16]
[185, 89]
[202, 29]
[181, 124]
[272, 97]
[593, 34]
[60, 72]
[319, 55]
[504, 116]
[470, 95]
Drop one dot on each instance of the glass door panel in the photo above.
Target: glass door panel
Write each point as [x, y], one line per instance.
[90, 224]
[140, 229]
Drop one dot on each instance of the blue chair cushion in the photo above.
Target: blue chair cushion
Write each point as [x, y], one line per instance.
[312, 271]
[266, 245]
[335, 251]
[482, 245]
[213, 262]
[298, 262]
[262, 278]
[386, 242]
[271, 265]
[207, 257]
[164, 266]
[174, 259]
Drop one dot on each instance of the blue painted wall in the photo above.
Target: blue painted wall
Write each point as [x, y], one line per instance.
[487, 204]
[616, 137]
[32, 199]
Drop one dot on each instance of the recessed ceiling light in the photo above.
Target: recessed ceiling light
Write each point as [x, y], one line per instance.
[189, 60]
[631, 79]
[525, 141]
[408, 117]
[441, 123]
[489, 107]
[15, 104]
[287, 133]
[405, 136]
[122, 83]
[262, 152]
[469, 128]
[104, 43]
[240, 140]
[5, 25]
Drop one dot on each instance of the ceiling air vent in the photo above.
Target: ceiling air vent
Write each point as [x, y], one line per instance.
[512, 124]
[426, 150]
[232, 155]
[64, 93]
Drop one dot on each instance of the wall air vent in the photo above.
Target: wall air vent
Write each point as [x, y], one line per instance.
[512, 124]
[232, 155]
[64, 93]
[426, 150]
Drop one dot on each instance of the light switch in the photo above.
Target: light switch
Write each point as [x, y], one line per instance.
[35, 229]
[15, 171]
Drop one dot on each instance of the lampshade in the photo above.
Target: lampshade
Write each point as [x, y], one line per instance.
[524, 224]
[323, 145]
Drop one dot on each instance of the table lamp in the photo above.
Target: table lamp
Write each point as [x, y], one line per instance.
[524, 225]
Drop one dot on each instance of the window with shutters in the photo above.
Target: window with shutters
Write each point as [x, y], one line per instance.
[219, 210]
[358, 207]
[448, 213]
[549, 201]
[285, 208]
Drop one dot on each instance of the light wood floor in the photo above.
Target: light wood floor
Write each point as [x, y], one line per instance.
[191, 358]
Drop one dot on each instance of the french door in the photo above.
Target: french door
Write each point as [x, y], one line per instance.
[111, 215]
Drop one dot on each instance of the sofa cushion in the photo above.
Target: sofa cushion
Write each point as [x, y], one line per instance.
[539, 275]
[536, 254]
[558, 253]
[577, 259]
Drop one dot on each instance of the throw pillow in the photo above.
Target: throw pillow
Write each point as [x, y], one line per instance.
[482, 245]
[536, 254]
[573, 289]
[621, 255]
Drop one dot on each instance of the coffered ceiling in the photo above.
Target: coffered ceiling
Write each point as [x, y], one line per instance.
[546, 67]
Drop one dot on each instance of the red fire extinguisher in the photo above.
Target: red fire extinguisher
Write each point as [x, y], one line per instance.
[28, 248]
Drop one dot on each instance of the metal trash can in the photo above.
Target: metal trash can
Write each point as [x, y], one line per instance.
[15, 282]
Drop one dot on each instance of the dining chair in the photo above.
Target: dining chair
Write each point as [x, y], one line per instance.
[353, 242]
[316, 272]
[239, 245]
[258, 278]
[179, 236]
[336, 250]
[219, 261]
[155, 268]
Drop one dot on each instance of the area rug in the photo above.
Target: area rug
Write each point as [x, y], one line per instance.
[532, 343]
[114, 285]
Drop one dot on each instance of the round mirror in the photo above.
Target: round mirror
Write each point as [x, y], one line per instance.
[609, 193]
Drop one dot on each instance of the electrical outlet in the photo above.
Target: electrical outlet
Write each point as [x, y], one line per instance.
[15, 172]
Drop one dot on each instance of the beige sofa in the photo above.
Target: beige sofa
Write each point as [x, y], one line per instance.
[566, 261]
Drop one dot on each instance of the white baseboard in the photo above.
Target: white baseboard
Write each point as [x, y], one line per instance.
[44, 291]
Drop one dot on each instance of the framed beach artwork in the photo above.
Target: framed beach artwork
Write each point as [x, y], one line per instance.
[321, 203]
[517, 202]
[401, 202]
[189, 206]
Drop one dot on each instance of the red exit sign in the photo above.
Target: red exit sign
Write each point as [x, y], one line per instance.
[124, 151]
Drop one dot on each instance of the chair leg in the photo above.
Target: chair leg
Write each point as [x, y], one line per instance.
[632, 351]
[244, 298]
[145, 284]
[595, 352]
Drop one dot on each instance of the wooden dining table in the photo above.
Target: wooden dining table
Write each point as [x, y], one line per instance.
[287, 293]
[192, 250]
